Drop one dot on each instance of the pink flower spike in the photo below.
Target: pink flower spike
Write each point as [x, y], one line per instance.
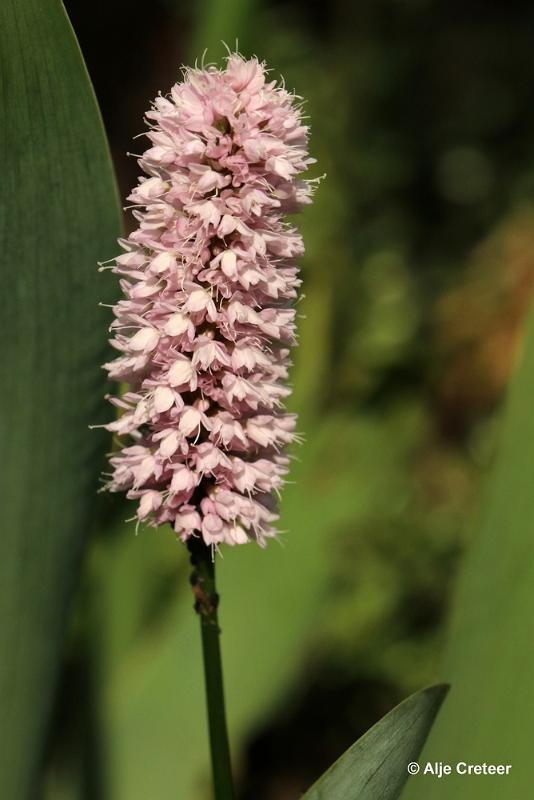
[205, 325]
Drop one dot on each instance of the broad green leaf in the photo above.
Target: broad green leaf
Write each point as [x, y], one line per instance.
[490, 656]
[59, 216]
[376, 766]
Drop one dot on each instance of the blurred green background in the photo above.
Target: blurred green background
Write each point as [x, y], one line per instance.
[417, 277]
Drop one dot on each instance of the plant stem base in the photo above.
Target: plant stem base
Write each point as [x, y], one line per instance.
[206, 603]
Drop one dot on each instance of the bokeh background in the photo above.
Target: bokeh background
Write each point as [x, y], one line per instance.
[417, 277]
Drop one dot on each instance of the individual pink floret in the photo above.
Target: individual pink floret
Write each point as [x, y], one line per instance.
[206, 323]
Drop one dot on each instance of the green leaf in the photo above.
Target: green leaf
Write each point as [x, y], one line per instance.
[60, 215]
[490, 656]
[376, 765]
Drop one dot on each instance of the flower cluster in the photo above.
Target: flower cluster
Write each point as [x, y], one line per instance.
[206, 320]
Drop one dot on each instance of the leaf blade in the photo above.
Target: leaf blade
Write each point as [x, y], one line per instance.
[489, 656]
[376, 765]
[61, 216]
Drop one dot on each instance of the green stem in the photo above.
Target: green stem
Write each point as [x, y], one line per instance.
[206, 602]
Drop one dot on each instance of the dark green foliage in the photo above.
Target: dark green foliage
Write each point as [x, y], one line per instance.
[490, 655]
[59, 216]
[376, 765]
